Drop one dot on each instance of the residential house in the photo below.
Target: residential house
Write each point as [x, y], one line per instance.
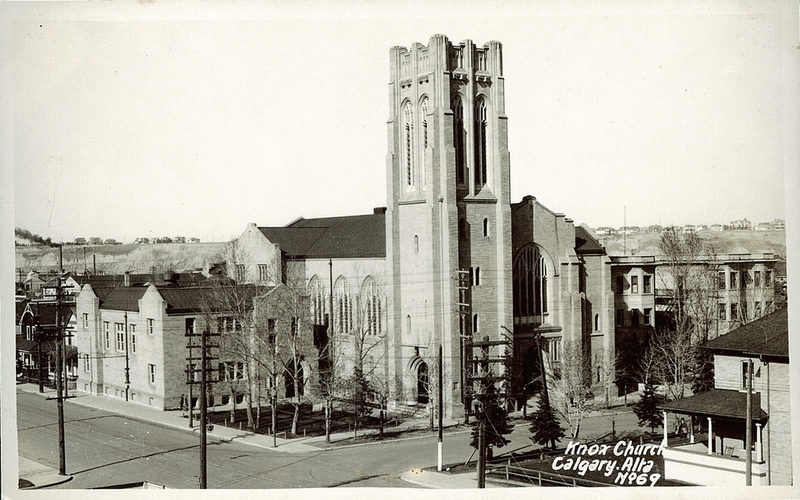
[715, 451]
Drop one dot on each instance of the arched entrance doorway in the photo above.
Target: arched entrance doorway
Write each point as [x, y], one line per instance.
[531, 371]
[422, 383]
[288, 380]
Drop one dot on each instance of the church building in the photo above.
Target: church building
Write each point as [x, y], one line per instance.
[450, 258]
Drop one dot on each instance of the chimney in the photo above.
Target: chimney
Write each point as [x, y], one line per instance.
[127, 279]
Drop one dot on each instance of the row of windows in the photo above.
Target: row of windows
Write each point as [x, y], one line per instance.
[481, 143]
[739, 312]
[151, 369]
[410, 142]
[636, 317]
[740, 280]
[119, 329]
[263, 270]
[647, 284]
[345, 319]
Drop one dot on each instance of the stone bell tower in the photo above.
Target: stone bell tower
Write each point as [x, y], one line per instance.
[448, 224]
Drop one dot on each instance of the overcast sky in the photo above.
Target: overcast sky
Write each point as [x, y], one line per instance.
[164, 120]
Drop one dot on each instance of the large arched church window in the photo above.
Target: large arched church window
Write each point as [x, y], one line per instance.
[459, 136]
[408, 144]
[481, 143]
[372, 307]
[316, 294]
[343, 303]
[530, 285]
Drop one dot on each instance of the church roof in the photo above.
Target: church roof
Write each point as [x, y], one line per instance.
[768, 336]
[349, 236]
[585, 243]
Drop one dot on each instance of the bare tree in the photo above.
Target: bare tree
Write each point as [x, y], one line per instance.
[692, 304]
[572, 382]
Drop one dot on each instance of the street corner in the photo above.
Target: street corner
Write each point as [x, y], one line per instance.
[33, 475]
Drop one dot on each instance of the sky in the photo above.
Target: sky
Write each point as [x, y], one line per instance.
[193, 119]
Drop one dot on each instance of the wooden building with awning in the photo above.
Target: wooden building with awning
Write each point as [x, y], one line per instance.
[714, 450]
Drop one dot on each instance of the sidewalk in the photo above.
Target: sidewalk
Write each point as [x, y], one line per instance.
[34, 475]
[444, 480]
[175, 419]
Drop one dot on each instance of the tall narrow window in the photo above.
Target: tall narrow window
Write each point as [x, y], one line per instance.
[423, 111]
[480, 144]
[408, 144]
[318, 300]
[634, 284]
[416, 244]
[108, 334]
[372, 307]
[120, 330]
[150, 326]
[477, 276]
[132, 330]
[485, 227]
[475, 323]
[459, 135]
[151, 370]
[344, 307]
[408, 323]
[646, 283]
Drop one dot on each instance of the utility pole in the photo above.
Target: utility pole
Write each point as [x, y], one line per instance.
[441, 408]
[205, 379]
[465, 336]
[62, 458]
[481, 376]
[273, 398]
[748, 435]
[127, 362]
[203, 410]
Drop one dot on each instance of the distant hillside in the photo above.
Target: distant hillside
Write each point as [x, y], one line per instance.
[115, 259]
[722, 241]
[112, 259]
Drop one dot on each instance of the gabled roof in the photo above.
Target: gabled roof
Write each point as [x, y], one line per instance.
[351, 236]
[718, 403]
[123, 298]
[192, 299]
[585, 242]
[768, 335]
[115, 280]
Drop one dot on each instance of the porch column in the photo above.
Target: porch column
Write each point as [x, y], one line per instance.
[691, 429]
[710, 438]
[664, 441]
[759, 453]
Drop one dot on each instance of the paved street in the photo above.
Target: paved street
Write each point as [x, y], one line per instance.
[105, 449]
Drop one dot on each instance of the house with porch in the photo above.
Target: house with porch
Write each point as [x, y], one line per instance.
[714, 451]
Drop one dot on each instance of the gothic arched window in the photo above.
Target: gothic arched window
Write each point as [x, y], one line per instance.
[530, 284]
[423, 112]
[372, 307]
[480, 143]
[408, 144]
[344, 307]
[459, 135]
[316, 294]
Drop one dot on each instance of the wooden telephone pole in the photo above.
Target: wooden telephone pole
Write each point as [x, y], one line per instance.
[480, 378]
[206, 377]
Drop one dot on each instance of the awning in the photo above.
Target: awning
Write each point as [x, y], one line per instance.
[719, 403]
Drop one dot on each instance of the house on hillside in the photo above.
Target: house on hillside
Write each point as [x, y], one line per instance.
[714, 452]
